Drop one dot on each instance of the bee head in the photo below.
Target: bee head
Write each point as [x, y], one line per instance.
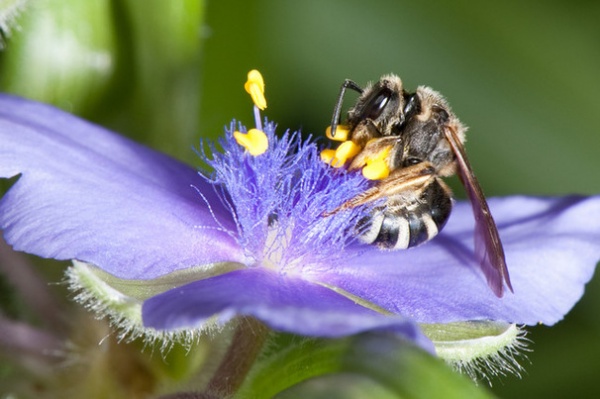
[379, 108]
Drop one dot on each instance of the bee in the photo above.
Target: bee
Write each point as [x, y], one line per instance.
[422, 142]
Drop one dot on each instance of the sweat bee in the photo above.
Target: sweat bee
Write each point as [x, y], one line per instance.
[419, 141]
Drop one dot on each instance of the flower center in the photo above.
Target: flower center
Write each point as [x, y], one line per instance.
[281, 196]
[276, 247]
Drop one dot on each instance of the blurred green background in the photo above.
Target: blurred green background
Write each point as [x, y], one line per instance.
[524, 76]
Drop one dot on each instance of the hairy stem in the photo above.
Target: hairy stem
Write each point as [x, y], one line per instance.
[248, 339]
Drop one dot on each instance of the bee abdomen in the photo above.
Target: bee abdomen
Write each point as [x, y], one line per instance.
[409, 225]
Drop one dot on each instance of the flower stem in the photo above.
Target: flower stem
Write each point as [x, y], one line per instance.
[248, 339]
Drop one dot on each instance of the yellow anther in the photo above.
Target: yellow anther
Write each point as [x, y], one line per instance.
[376, 170]
[341, 133]
[328, 156]
[346, 151]
[255, 86]
[376, 167]
[255, 141]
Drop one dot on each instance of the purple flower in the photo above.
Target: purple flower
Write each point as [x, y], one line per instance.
[251, 239]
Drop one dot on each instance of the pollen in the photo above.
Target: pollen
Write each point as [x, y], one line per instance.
[255, 86]
[341, 133]
[376, 167]
[328, 156]
[255, 141]
[346, 151]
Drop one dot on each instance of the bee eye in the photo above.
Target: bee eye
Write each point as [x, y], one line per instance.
[411, 161]
[375, 106]
[413, 105]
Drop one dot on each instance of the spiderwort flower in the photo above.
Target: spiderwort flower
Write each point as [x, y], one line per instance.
[162, 248]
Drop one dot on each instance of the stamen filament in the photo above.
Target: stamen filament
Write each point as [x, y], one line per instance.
[257, 121]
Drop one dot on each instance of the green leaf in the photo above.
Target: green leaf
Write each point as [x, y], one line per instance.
[381, 364]
[155, 96]
[62, 53]
[132, 66]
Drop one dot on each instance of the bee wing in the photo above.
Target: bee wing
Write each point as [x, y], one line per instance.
[488, 247]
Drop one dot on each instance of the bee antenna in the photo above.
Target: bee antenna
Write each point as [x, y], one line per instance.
[337, 110]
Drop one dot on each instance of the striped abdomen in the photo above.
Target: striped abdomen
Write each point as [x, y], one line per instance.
[403, 225]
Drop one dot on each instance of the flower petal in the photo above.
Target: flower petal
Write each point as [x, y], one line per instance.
[86, 193]
[552, 246]
[283, 302]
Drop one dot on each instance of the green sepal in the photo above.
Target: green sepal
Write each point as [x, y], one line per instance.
[144, 289]
[469, 340]
[481, 349]
[121, 300]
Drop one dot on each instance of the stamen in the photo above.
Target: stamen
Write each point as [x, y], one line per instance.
[347, 150]
[376, 170]
[255, 86]
[255, 141]
[341, 133]
[328, 156]
[376, 167]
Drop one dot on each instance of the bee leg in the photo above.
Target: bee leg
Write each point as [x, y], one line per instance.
[400, 180]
